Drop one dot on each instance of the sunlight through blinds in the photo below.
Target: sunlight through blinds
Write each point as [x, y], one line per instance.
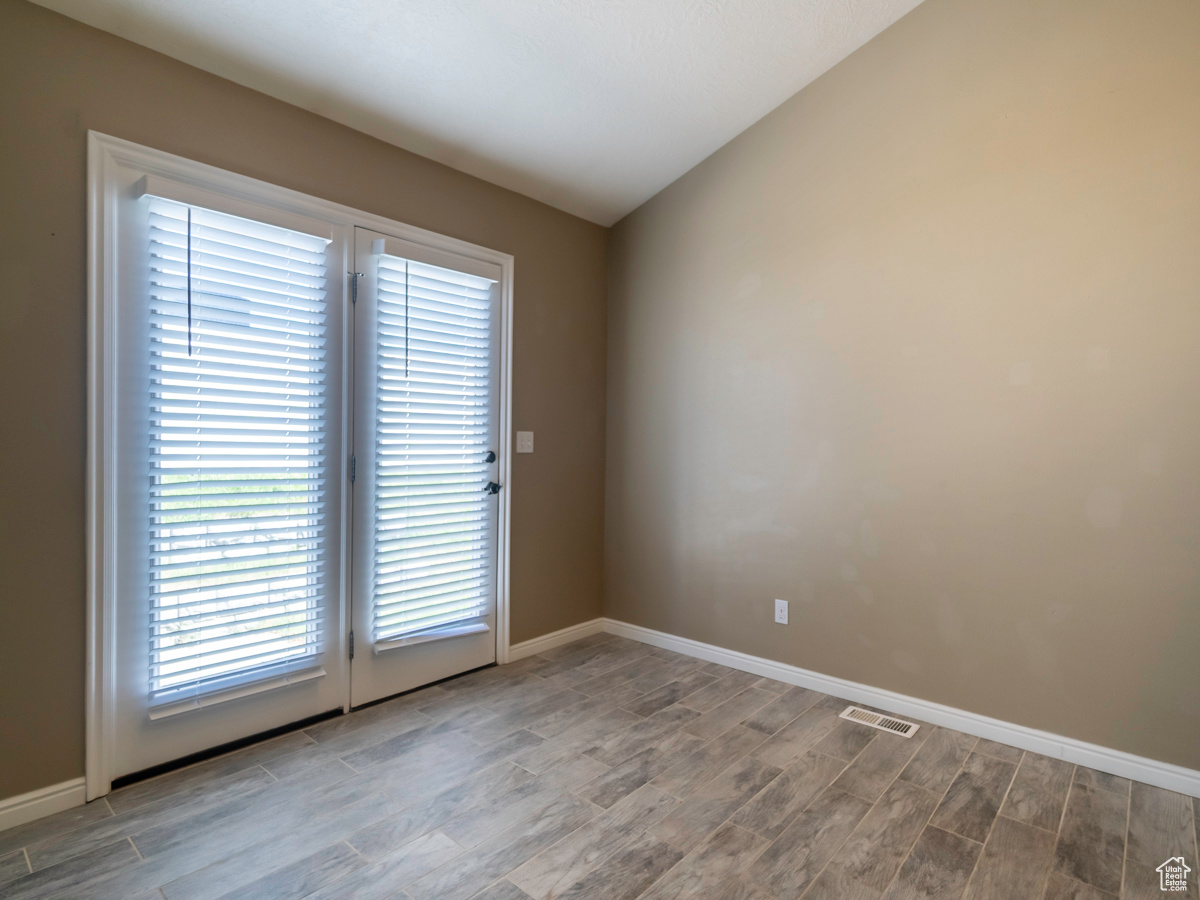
[237, 322]
[433, 563]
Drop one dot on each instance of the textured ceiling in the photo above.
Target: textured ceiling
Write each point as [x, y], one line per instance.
[592, 106]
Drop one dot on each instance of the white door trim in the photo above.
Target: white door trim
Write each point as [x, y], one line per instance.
[1104, 759]
[106, 155]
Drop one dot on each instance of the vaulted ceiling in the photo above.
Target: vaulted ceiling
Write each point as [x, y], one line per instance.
[592, 106]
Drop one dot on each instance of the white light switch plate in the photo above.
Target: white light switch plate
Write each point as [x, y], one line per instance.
[781, 607]
[524, 441]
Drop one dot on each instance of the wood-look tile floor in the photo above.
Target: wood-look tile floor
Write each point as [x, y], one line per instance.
[608, 769]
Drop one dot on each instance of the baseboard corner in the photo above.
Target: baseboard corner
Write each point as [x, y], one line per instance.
[554, 639]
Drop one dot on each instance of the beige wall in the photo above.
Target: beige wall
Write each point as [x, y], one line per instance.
[920, 353]
[57, 80]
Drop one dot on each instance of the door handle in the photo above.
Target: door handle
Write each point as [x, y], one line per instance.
[492, 488]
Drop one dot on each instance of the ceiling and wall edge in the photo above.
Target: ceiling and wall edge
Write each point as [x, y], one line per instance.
[589, 106]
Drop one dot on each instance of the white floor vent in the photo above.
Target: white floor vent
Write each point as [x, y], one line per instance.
[875, 720]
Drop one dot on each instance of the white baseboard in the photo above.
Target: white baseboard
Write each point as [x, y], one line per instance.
[1115, 762]
[555, 639]
[42, 802]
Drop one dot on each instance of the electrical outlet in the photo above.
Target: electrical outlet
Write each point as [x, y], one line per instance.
[524, 441]
[781, 609]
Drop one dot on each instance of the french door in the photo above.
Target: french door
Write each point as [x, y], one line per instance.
[425, 465]
[226, 509]
[294, 458]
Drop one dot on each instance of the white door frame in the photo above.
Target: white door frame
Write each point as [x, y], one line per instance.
[107, 156]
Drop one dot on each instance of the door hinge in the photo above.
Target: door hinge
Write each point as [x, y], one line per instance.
[352, 645]
[353, 468]
[354, 276]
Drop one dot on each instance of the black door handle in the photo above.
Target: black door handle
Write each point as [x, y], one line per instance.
[492, 488]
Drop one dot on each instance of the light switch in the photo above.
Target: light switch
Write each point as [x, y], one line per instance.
[524, 441]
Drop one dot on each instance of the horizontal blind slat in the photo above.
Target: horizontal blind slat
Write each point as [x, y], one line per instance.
[403, 623]
[220, 593]
[263, 617]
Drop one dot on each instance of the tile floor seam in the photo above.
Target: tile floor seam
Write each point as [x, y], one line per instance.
[789, 721]
[920, 831]
[874, 803]
[903, 859]
[673, 867]
[727, 819]
[1125, 849]
[1062, 816]
[992, 825]
[1029, 824]
[1049, 871]
[833, 854]
[1001, 758]
[767, 841]
[861, 797]
[956, 834]
[1099, 787]
[568, 835]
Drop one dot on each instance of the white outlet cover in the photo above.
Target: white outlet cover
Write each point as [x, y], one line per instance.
[781, 612]
[524, 441]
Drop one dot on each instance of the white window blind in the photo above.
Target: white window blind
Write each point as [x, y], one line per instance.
[433, 555]
[237, 518]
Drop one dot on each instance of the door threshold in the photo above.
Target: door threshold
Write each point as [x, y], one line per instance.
[200, 756]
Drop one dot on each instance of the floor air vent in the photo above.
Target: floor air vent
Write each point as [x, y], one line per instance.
[875, 720]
